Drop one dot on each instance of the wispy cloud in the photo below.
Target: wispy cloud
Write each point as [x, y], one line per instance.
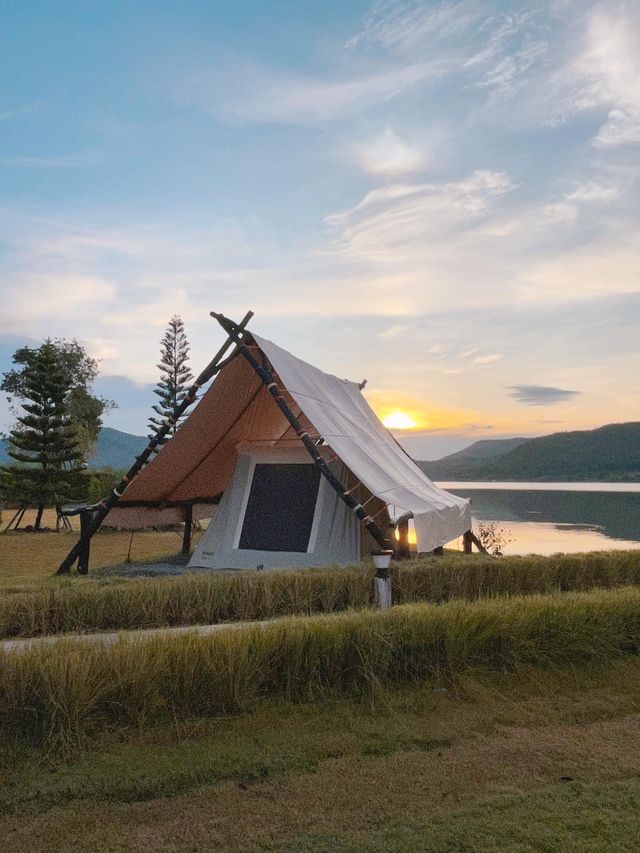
[592, 191]
[396, 330]
[403, 27]
[389, 155]
[494, 47]
[82, 160]
[399, 220]
[540, 395]
[593, 68]
[607, 72]
[251, 94]
[490, 358]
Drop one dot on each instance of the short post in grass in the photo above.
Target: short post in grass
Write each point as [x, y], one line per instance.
[382, 579]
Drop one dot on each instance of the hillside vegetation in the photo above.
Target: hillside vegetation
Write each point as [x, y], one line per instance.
[487, 448]
[114, 449]
[610, 453]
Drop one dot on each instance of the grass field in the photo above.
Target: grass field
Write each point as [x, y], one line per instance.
[28, 560]
[495, 723]
[536, 761]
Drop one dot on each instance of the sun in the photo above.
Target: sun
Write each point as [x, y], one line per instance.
[399, 420]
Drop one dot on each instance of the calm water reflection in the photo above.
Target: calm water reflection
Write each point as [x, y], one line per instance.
[545, 518]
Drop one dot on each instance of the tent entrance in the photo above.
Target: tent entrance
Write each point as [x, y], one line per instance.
[278, 511]
[282, 503]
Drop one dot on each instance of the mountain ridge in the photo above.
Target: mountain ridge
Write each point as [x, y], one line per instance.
[486, 448]
[608, 453]
[114, 449]
[611, 452]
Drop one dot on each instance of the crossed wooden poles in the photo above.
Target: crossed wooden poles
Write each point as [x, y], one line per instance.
[234, 331]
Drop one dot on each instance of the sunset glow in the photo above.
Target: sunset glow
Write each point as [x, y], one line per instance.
[346, 203]
[399, 420]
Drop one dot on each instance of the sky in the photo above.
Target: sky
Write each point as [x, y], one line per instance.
[441, 198]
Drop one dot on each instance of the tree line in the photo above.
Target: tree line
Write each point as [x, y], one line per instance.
[58, 418]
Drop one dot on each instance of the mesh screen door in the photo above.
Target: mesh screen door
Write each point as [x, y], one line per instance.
[281, 507]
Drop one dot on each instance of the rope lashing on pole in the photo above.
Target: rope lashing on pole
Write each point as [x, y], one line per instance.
[265, 373]
[106, 505]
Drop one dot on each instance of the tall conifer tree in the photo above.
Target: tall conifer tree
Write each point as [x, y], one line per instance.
[44, 441]
[84, 407]
[175, 374]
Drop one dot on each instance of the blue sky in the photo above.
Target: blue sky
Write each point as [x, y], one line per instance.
[439, 197]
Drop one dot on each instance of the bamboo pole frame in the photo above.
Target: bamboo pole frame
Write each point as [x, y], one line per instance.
[265, 374]
[105, 506]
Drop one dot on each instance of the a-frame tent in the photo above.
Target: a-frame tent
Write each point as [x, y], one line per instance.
[291, 463]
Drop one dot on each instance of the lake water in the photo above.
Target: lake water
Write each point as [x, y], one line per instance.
[545, 518]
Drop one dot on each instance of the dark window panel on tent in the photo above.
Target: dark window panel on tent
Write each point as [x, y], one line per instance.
[280, 509]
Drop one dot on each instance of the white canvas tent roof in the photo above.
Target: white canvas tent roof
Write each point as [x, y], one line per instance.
[342, 416]
[198, 464]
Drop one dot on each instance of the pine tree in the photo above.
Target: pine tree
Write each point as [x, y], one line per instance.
[44, 441]
[175, 375]
[84, 407]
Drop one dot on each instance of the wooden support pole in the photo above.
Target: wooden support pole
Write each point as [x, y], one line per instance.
[478, 544]
[467, 542]
[188, 527]
[20, 512]
[86, 517]
[270, 384]
[104, 507]
[404, 549]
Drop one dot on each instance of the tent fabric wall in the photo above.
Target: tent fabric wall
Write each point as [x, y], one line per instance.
[141, 517]
[337, 534]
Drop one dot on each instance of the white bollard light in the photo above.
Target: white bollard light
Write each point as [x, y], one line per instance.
[382, 580]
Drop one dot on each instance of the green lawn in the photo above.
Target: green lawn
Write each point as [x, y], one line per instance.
[527, 762]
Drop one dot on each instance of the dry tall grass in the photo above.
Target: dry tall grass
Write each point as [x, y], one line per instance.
[243, 596]
[64, 691]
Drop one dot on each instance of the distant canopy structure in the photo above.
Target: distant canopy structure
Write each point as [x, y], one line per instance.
[291, 463]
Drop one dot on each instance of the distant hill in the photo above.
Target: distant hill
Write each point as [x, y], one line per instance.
[486, 448]
[610, 453]
[114, 449]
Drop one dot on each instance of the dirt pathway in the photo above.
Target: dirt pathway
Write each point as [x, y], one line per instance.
[24, 644]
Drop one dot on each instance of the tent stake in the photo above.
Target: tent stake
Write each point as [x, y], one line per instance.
[105, 506]
[267, 379]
